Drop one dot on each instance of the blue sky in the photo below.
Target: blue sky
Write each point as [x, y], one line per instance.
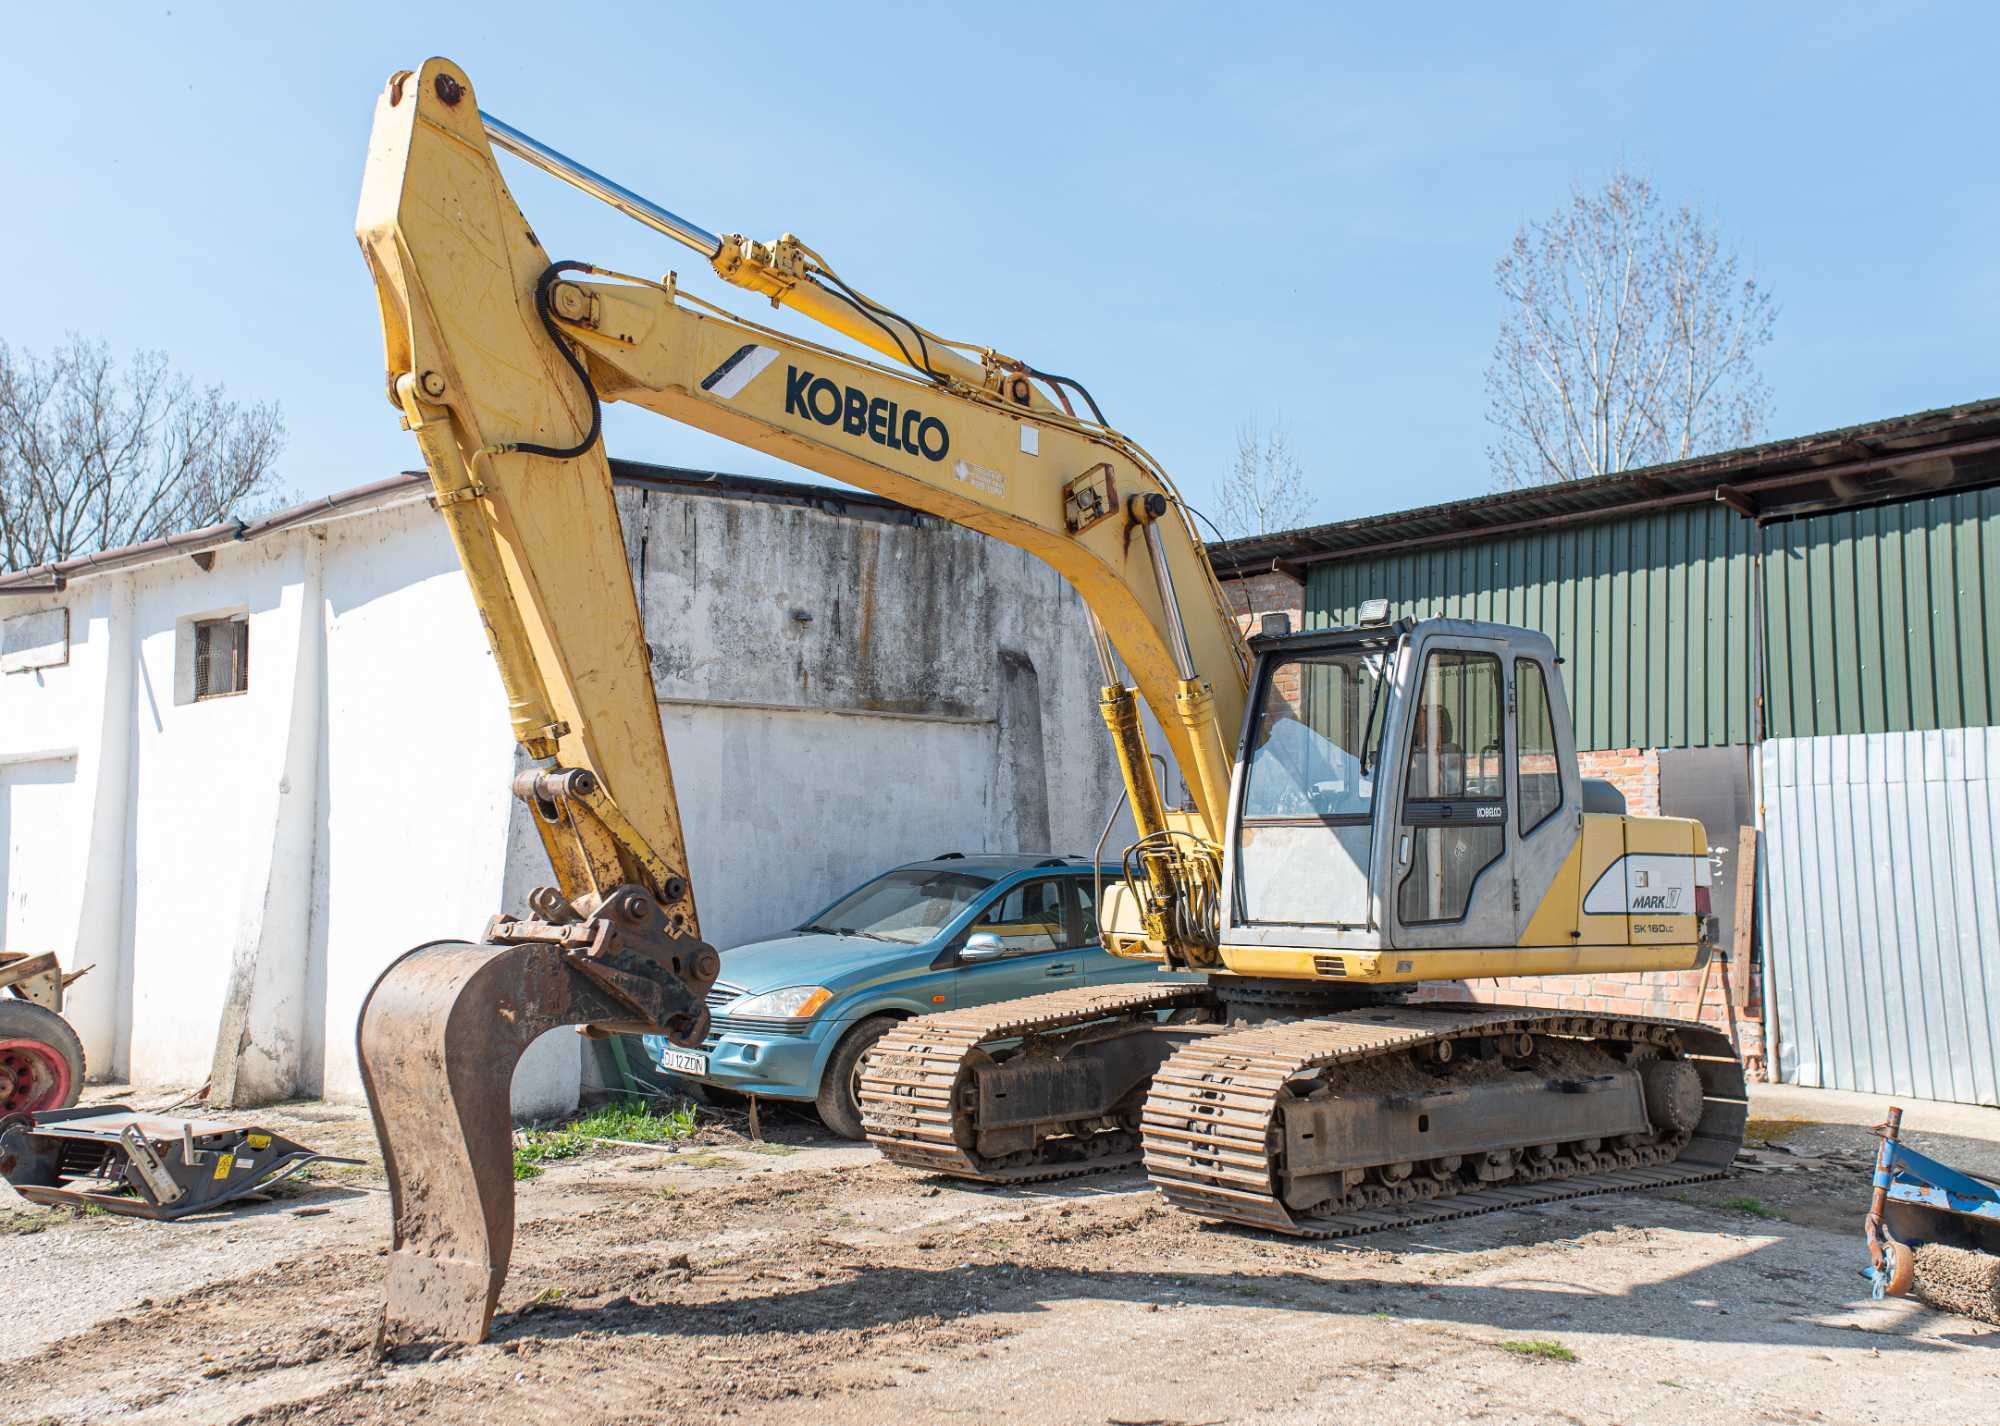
[1209, 214]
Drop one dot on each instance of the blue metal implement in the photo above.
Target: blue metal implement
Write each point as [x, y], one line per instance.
[1919, 1202]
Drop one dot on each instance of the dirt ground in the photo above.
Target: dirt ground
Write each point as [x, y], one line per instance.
[803, 1280]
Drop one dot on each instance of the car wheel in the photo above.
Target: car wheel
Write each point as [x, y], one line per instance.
[839, 1099]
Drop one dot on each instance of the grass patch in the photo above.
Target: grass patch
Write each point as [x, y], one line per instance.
[1755, 1207]
[776, 1151]
[636, 1123]
[629, 1121]
[1540, 1351]
[1772, 1131]
[708, 1159]
[22, 1224]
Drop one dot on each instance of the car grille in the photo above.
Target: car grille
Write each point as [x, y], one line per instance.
[723, 993]
[721, 1025]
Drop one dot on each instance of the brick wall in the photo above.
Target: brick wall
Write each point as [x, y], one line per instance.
[1269, 593]
[1633, 771]
[1670, 994]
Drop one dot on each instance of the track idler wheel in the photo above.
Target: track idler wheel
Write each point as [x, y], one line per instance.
[439, 1036]
[1674, 1096]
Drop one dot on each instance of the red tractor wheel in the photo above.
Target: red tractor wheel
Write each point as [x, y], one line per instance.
[41, 1060]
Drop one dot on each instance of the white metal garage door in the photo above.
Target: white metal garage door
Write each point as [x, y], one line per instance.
[1882, 911]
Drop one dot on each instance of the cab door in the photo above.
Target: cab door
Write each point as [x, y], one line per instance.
[1548, 816]
[1450, 875]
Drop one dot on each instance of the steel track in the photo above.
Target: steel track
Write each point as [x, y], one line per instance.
[916, 1083]
[1209, 1132]
[1211, 1126]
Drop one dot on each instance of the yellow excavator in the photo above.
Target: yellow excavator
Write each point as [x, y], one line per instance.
[1368, 808]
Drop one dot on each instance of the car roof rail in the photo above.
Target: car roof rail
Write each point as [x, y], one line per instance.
[949, 857]
[1064, 860]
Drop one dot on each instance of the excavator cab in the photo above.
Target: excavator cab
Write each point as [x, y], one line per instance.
[1412, 786]
[1377, 777]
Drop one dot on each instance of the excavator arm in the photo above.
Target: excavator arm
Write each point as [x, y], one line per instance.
[498, 359]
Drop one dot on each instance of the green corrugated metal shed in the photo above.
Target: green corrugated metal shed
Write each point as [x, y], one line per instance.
[1650, 615]
[1881, 614]
[1885, 620]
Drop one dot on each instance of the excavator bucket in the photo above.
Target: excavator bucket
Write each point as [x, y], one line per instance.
[439, 1036]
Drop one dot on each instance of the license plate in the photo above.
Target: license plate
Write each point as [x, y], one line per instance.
[684, 1061]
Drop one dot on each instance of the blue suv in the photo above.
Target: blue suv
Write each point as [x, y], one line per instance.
[793, 1016]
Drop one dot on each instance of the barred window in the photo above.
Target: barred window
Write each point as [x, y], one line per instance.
[221, 657]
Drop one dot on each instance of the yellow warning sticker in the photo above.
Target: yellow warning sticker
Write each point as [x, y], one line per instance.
[224, 1164]
[258, 1141]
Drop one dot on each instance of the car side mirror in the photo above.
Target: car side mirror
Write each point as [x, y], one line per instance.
[982, 946]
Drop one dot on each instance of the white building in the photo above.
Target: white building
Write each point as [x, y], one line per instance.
[845, 685]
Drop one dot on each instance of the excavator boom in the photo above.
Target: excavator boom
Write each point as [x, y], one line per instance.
[497, 359]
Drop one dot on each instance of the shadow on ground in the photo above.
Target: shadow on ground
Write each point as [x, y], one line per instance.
[1778, 1290]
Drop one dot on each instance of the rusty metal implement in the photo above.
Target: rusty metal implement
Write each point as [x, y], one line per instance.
[143, 1165]
[440, 1034]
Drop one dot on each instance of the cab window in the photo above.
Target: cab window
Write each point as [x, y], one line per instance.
[1455, 738]
[1457, 749]
[1537, 774]
[1318, 733]
[1304, 831]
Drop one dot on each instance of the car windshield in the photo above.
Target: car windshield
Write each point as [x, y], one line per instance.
[909, 906]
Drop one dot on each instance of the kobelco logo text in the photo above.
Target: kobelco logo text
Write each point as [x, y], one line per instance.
[856, 413]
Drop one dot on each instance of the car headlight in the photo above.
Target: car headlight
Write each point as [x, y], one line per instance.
[794, 1002]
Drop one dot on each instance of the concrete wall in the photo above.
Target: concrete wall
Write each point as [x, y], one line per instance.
[843, 688]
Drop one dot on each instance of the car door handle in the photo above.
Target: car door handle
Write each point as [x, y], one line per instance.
[1061, 968]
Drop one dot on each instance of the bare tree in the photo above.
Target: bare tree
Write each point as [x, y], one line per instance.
[1629, 338]
[1265, 489]
[92, 457]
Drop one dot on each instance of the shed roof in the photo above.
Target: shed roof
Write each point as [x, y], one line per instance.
[1904, 458]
